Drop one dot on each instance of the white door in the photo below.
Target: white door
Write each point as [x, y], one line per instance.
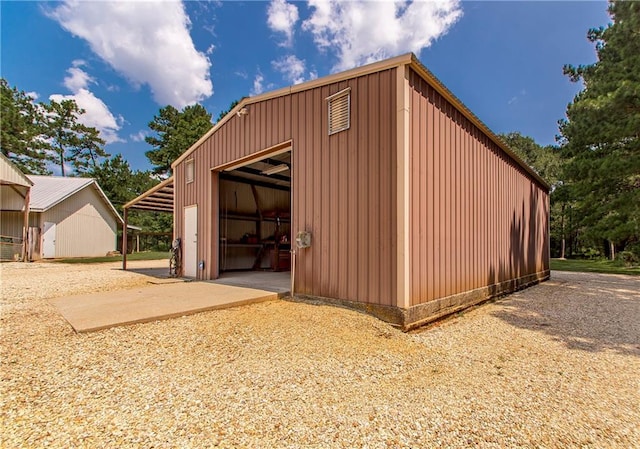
[49, 240]
[190, 245]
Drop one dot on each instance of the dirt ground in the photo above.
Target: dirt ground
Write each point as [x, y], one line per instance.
[556, 365]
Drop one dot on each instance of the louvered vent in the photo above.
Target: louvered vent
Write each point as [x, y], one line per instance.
[339, 111]
[189, 171]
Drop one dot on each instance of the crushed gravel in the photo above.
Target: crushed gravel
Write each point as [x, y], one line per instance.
[556, 365]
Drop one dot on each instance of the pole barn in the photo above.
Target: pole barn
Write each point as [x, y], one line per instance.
[376, 187]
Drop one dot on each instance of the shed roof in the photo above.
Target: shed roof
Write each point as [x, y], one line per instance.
[408, 59]
[48, 191]
[158, 198]
[11, 175]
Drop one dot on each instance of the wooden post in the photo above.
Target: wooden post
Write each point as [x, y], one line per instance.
[25, 227]
[124, 239]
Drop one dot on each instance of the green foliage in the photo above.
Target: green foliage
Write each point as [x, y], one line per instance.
[175, 132]
[68, 139]
[119, 182]
[593, 266]
[34, 134]
[22, 128]
[601, 136]
[121, 185]
[147, 255]
[233, 104]
[629, 258]
[546, 161]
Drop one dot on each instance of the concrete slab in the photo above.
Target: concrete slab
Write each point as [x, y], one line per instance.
[97, 311]
[157, 275]
[279, 281]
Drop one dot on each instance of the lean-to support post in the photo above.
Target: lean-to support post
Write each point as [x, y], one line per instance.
[124, 238]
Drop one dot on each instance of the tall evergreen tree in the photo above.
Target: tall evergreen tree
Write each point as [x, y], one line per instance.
[68, 139]
[22, 128]
[175, 131]
[121, 184]
[601, 136]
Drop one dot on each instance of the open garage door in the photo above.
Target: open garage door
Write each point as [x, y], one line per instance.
[255, 215]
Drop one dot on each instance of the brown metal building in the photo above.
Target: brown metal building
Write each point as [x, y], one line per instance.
[414, 207]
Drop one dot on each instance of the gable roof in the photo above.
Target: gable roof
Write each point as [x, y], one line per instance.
[11, 175]
[48, 191]
[408, 59]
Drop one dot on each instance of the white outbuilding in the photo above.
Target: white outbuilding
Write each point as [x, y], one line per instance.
[68, 217]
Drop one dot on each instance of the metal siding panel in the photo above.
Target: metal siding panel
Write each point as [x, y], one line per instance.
[313, 130]
[85, 226]
[352, 209]
[414, 194]
[374, 183]
[343, 202]
[386, 192]
[362, 102]
[485, 217]
[430, 200]
[345, 188]
[325, 205]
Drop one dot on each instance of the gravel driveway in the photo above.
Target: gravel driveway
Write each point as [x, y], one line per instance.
[556, 365]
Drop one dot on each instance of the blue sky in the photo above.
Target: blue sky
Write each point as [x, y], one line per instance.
[123, 61]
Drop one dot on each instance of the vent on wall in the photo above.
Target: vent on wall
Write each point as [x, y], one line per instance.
[189, 172]
[339, 111]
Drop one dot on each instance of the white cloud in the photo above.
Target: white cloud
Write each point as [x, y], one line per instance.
[33, 95]
[97, 114]
[77, 79]
[146, 42]
[242, 74]
[291, 68]
[282, 18]
[258, 87]
[139, 136]
[361, 31]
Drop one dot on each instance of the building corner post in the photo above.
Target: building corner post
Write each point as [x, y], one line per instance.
[403, 192]
[25, 226]
[124, 238]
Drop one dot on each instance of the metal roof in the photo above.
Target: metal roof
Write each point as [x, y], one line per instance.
[48, 191]
[407, 59]
[158, 198]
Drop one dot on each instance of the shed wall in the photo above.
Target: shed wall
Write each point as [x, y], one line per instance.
[477, 217]
[10, 199]
[85, 226]
[344, 192]
[343, 185]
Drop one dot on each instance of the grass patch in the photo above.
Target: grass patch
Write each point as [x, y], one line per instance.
[147, 255]
[593, 266]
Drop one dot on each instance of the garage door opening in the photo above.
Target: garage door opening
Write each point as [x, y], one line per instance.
[255, 221]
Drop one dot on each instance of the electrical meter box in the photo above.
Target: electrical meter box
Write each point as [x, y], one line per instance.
[303, 239]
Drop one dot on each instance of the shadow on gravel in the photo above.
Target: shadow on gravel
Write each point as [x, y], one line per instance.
[584, 311]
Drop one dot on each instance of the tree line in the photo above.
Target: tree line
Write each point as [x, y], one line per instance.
[593, 170]
[39, 136]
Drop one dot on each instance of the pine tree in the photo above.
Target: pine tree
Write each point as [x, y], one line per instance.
[21, 140]
[175, 132]
[601, 136]
[69, 140]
